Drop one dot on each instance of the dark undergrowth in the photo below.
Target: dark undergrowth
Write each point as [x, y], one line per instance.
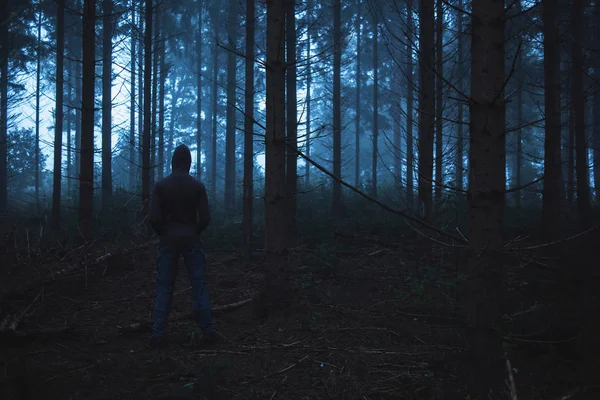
[370, 317]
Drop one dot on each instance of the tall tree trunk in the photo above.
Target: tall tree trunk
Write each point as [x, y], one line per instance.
[275, 232]
[58, 125]
[426, 106]
[174, 108]
[358, 28]
[439, 97]
[69, 120]
[78, 94]
[147, 103]
[292, 120]
[409, 104]
[107, 104]
[154, 113]
[86, 176]
[231, 104]
[141, 93]
[308, 92]
[215, 104]
[578, 101]
[249, 126]
[553, 191]
[486, 276]
[375, 106]
[3, 112]
[337, 109]
[596, 101]
[132, 158]
[396, 124]
[461, 88]
[161, 100]
[518, 152]
[199, 96]
[37, 112]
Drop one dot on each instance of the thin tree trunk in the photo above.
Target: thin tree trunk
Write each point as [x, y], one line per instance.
[215, 93]
[308, 92]
[78, 95]
[397, 126]
[107, 105]
[337, 110]
[571, 158]
[161, 100]
[86, 176]
[461, 88]
[439, 97]
[154, 112]
[176, 94]
[231, 104]
[141, 93]
[147, 104]
[375, 107]
[426, 106]
[596, 100]
[199, 95]
[249, 126]
[553, 191]
[518, 155]
[292, 120]
[578, 101]
[3, 112]
[58, 125]
[132, 158]
[69, 120]
[37, 113]
[409, 104]
[486, 276]
[358, 28]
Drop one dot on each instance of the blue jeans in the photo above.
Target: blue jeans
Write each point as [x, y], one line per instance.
[167, 259]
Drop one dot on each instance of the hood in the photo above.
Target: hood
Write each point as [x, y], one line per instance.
[182, 159]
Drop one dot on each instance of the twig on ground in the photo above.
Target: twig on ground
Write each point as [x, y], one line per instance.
[511, 377]
[281, 371]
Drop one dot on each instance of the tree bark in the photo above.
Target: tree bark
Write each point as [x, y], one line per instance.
[358, 28]
[132, 158]
[3, 112]
[486, 276]
[174, 108]
[337, 110]
[409, 104]
[553, 190]
[439, 100]
[37, 112]
[292, 121]
[161, 98]
[596, 100]
[375, 107]
[215, 104]
[58, 125]
[199, 90]
[247, 217]
[308, 92]
[229, 198]
[578, 100]
[147, 103]
[426, 106]
[275, 232]
[154, 82]
[78, 94]
[86, 176]
[461, 88]
[107, 104]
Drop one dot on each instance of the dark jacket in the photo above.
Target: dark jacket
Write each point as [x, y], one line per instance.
[179, 204]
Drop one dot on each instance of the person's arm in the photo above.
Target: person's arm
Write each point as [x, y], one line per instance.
[202, 210]
[155, 218]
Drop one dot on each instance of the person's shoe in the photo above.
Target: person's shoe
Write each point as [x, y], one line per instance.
[158, 342]
[207, 339]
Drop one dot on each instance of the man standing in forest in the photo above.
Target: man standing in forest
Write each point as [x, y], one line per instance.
[179, 213]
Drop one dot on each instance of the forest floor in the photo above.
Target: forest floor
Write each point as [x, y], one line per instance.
[370, 323]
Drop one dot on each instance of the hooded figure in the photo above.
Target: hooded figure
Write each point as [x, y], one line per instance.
[178, 214]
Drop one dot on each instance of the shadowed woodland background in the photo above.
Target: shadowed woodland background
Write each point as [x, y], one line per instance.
[404, 197]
